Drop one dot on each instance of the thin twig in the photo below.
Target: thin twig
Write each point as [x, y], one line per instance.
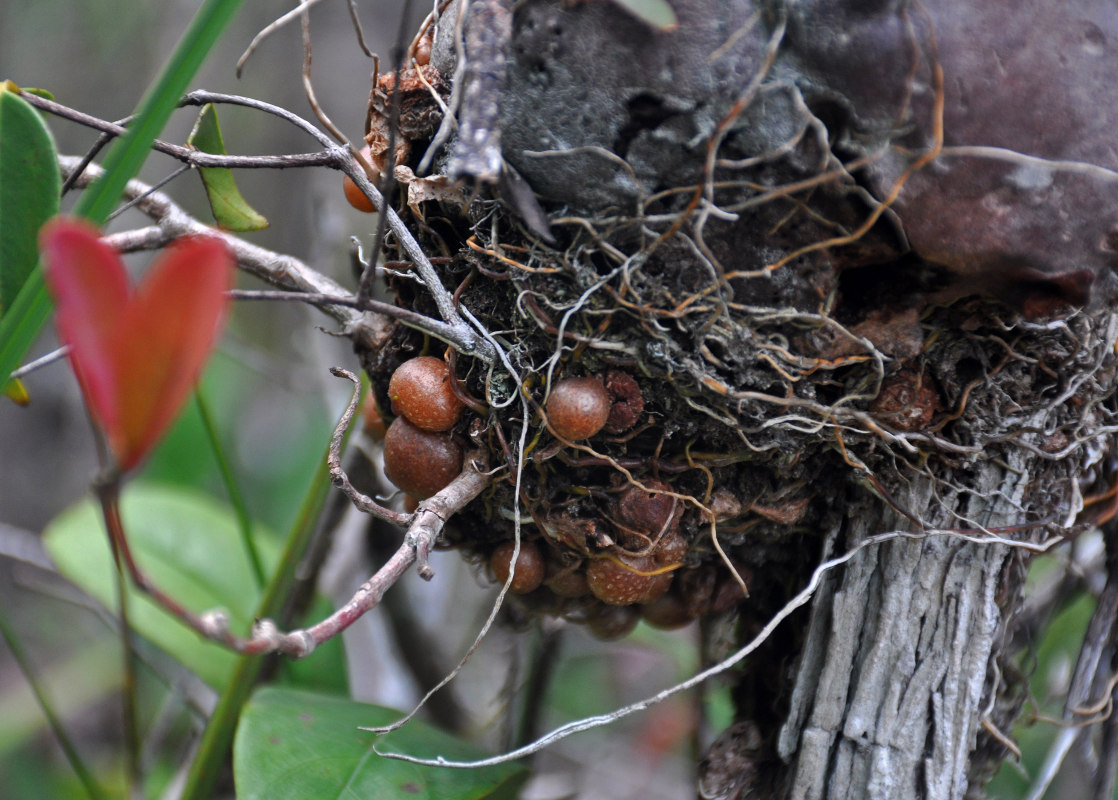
[589, 723]
[388, 176]
[421, 322]
[357, 29]
[269, 30]
[42, 361]
[195, 158]
[267, 265]
[424, 529]
[337, 474]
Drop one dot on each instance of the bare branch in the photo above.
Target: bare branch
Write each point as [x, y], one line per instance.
[337, 474]
[271, 266]
[195, 158]
[275, 268]
[270, 29]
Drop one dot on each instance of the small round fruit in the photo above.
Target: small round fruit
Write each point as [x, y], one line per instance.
[420, 462]
[647, 512]
[578, 408]
[373, 423]
[667, 612]
[621, 585]
[420, 390]
[611, 622]
[567, 583]
[529, 566]
[354, 196]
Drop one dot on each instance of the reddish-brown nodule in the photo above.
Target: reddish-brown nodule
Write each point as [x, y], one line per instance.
[420, 390]
[578, 408]
[529, 566]
[420, 462]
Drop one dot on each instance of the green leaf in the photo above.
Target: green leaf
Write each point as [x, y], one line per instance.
[297, 744]
[230, 209]
[25, 317]
[190, 546]
[656, 13]
[187, 544]
[217, 739]
[29, 189]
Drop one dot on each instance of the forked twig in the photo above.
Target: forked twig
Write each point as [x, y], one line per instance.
[272, 266]
[424, 527]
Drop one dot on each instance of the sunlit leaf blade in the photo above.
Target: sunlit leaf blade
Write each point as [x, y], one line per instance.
[230, 209]
[296, 744]
[657, 13]
[17, 392]
[29, 189]
[189, 544]
[25, 317]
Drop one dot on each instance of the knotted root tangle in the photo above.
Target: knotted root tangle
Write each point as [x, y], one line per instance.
[739, 311]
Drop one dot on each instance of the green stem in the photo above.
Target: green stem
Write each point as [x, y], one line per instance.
[23, 320]
[218, 736]
[84, 775]
[236, 496]
[108, 492]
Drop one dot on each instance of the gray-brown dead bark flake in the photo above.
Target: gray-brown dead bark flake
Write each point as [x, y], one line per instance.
[888, 698]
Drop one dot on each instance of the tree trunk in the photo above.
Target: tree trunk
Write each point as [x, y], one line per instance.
[893, 680]
[909, 331]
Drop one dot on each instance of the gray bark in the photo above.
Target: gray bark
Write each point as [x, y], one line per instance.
[890, 689]
[897, 681]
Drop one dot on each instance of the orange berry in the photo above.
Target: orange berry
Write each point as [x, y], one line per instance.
[529, 566]
[354, 196]
[420, 462]
[578, 408]
[420, 390]
[374, 424]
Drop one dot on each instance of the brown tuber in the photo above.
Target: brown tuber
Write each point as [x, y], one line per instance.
[420, 390]
[637, 580]
[578, 408]
[566, 581]
[529, 566]
[420, 462]
[668, 612]
[610, 623]
[650, 512]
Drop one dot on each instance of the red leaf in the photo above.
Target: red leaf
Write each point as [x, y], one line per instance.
[136, 354]
[90, 289]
